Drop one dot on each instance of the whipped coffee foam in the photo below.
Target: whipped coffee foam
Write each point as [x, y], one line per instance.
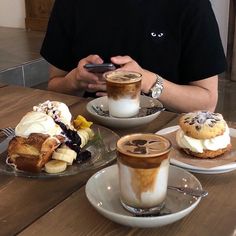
[123, 77]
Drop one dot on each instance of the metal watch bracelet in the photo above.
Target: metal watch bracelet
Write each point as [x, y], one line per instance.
[157, 88]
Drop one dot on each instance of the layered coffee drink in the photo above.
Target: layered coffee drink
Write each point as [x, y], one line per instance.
[123, 91]
[143, 172]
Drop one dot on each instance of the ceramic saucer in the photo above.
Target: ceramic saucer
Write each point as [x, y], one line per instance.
[102, 191]
[101, 103]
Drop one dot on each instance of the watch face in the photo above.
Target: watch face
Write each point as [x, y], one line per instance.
[156, 92]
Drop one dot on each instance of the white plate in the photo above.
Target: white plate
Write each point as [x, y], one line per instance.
[214, 170]
[123, 122]
[102, 191]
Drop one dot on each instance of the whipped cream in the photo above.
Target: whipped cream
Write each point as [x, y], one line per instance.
[37, 122]
[199, 145]
[59, 111]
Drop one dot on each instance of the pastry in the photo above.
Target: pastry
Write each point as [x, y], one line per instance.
[203, 134]
[48, 133]
[37, 136]
[31, 153]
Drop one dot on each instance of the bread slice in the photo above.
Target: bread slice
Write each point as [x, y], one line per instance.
[30, 154]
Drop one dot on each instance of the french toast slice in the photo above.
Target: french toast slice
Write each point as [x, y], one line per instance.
[32, 153]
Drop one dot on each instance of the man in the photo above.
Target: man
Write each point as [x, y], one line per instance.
[174, 44]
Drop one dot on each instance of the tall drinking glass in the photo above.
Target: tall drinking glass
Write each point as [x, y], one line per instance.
[143, 161]
[123, 91]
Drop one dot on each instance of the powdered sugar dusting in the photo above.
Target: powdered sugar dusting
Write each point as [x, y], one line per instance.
[208, 117]
[57, 110]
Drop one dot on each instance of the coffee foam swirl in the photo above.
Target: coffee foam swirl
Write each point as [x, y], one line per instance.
[143, 145]
[122, 77]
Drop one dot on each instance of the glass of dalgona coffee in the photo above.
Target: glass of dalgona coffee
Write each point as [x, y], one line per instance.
[123, 91]
[143, 161]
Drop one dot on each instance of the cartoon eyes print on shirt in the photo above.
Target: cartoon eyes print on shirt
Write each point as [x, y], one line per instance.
[157, 36]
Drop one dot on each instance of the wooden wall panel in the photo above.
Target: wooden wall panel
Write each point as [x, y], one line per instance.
[37, 14]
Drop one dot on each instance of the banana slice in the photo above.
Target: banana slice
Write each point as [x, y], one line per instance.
[84, 135]
[90, 132]
[67, 158]
[67, 151]
[55, 166]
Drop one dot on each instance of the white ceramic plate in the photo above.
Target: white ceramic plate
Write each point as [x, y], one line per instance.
[213, 172]
[102, 191]
[123, 122]
[196, 169]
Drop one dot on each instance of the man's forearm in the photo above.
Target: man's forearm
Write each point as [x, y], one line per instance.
[63, 84]
[185, 98]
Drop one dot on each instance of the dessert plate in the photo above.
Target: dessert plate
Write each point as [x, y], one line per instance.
[102, 191]
[197, 169]
[102, 148]
[140, 119]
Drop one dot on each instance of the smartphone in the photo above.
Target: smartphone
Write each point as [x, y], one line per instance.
[99, 68]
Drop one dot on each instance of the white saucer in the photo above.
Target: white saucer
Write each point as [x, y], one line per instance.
[196, 169]
[123, 122]
[102, 191]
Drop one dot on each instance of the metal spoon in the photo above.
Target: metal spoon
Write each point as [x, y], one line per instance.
[190, 191]
[145, 111]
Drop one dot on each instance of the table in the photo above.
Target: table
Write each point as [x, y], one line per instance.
[59, 206]
[3, 85]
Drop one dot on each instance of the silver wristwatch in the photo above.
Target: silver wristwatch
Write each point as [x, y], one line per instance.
[157, 88]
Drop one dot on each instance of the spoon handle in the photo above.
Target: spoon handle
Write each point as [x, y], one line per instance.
[190, 191]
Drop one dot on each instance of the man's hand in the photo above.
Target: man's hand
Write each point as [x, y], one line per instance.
[86, 80]
[128, 64]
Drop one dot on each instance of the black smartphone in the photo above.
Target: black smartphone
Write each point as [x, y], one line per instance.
[99, 68]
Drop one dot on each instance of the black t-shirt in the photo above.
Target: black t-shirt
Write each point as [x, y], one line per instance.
[178, 39]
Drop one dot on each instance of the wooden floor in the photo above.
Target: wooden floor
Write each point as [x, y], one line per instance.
[19, 46]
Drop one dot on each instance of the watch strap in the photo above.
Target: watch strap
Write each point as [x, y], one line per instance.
[156, 90]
